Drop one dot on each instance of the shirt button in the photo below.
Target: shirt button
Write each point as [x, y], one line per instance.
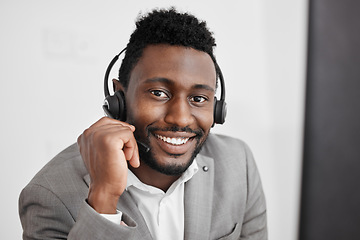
[205, 168]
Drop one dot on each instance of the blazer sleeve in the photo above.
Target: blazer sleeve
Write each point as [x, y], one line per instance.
[255, 222]
[91, 225]
[44, 216]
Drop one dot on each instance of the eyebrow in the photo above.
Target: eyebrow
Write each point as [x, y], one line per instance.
[159, 79]
[170, 82]
[203, 86]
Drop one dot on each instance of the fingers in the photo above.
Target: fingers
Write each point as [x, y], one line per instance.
[111, 136]
[117, 136]
[105, 148]
[132, 154]
[112, 133]
[109, 121]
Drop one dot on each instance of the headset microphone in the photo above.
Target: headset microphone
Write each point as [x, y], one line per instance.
[143, 147]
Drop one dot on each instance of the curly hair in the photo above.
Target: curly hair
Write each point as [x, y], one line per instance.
[165, 27]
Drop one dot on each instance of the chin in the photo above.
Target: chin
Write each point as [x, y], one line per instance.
[172, 166]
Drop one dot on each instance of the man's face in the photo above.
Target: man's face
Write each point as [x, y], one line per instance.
[170, 101]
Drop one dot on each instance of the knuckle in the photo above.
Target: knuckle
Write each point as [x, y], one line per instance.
[103, 119]
[95, 136]
[86, 133]
[108, 140]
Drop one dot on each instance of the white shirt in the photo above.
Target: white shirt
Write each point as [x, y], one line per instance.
[163, 211]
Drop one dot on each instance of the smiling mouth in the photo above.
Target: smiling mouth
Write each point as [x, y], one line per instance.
[173, 140]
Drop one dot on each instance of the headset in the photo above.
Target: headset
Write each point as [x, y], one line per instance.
[115, 107]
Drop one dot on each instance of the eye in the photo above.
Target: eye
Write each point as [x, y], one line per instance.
[159, 93]
[198, 99]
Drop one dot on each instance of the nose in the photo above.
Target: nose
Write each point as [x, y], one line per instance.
[179, 113]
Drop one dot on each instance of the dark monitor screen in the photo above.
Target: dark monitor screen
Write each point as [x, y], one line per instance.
[330, 201]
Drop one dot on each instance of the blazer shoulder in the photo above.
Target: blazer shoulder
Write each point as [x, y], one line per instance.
[217, 144]
[64, 170]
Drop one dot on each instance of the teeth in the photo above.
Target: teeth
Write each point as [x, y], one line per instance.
[173, 141]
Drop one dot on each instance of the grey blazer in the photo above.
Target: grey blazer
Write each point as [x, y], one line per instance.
[224, 200]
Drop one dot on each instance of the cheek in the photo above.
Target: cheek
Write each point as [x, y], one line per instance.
[142, 113]
[204, 118]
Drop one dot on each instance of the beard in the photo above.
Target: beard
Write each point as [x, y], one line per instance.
[171, 169]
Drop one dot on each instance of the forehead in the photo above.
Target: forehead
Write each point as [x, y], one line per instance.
[176, 63]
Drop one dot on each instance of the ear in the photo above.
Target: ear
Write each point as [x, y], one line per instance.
[117, 86]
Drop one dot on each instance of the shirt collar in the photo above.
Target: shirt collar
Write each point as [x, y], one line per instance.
[133, 181]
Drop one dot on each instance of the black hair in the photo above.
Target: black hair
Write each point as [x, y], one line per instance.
[165, 26]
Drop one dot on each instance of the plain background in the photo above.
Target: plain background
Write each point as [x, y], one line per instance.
[53, 56]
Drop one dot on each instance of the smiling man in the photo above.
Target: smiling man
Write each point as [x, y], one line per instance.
[171, 90]
[190, 185]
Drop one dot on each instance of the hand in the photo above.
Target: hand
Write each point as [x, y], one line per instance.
[105, 148]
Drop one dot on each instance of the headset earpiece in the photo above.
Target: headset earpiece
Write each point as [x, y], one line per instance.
[115, 107]
[220, 110]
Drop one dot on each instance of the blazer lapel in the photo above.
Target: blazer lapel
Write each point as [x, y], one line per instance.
[87, 179]
[127, 206]
[198, 200]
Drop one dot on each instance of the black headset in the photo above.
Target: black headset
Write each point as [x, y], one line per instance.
[115, 107]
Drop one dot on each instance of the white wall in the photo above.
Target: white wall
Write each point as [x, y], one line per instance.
[53, 56]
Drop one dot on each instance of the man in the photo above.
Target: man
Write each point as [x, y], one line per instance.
[190, 185]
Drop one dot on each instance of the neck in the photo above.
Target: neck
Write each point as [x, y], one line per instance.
[152, 177]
